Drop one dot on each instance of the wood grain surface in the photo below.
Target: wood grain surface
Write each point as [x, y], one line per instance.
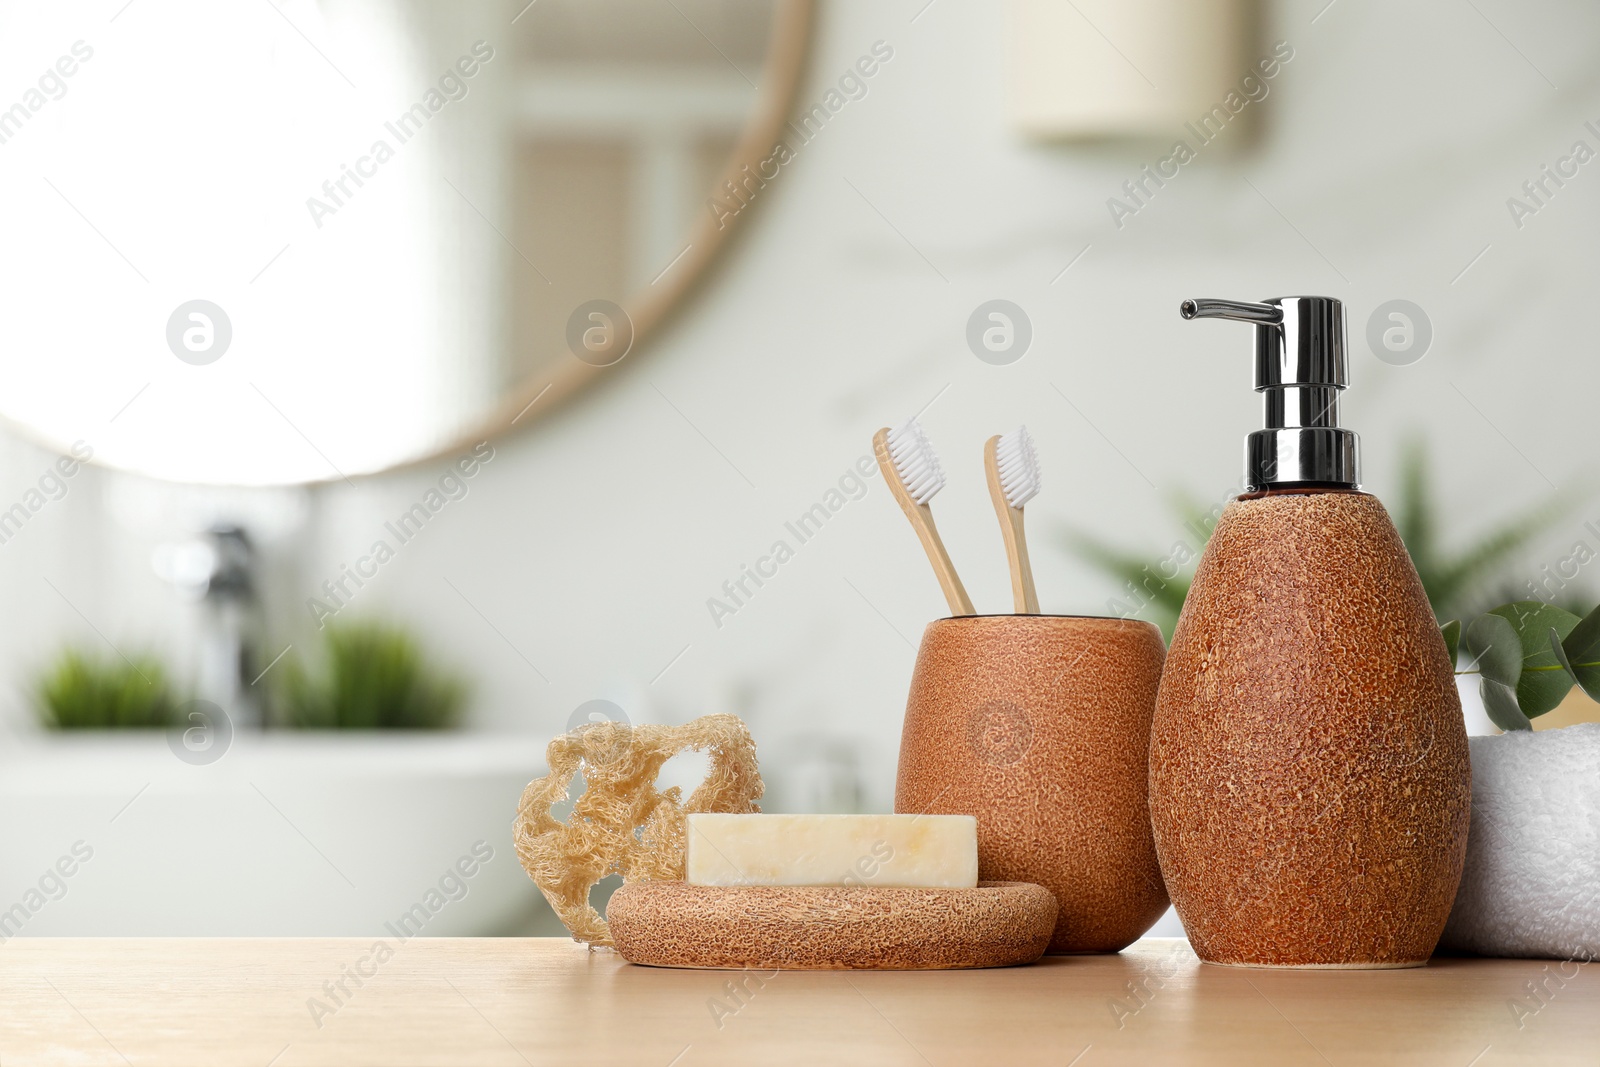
[513, 1002]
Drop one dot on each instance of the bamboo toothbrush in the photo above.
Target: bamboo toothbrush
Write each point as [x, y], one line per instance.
[912, 471]
[1013, 467]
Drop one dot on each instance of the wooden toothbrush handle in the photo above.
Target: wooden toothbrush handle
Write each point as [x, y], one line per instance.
[921, 516]
[1023, 596]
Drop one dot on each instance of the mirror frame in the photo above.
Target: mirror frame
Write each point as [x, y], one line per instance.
[547, 390]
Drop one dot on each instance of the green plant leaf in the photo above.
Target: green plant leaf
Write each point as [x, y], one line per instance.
[1493, 645]
[1500, 701]
[1531, 619]
[84, 691]
[1452, 638]
[1544, 683]
[1561, 653]
[370, 676]
[1581, 649]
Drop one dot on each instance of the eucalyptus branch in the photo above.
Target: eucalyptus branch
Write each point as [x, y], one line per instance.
[1528, 655]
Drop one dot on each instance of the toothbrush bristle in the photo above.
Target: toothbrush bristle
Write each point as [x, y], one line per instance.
[915, 461]
[1018, 462]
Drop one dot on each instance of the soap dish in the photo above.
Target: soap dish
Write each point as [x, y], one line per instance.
[816, 928]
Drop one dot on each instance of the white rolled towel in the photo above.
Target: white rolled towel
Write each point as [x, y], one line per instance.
[1531, 887]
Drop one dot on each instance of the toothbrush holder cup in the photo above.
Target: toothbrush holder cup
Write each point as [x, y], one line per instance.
[1039, 726]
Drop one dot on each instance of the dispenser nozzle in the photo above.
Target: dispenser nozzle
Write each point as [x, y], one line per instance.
[1238, 310]
[1301, 367]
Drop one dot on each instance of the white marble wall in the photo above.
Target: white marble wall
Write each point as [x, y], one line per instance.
[583, 558]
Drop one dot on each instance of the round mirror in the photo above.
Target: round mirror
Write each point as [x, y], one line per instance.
[301, 240]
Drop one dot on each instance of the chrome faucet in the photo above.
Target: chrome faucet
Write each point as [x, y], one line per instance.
[217, 569]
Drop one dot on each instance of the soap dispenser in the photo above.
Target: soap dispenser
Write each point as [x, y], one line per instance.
[1309, 783]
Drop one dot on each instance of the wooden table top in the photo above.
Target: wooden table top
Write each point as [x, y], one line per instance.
[548, 1001]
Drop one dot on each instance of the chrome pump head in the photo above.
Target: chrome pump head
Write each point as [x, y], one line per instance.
[1301, 368]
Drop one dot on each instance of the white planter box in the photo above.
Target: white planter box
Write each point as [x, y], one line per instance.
[286, 834]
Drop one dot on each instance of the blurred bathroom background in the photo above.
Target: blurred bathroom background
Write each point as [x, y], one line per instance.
[577, 387]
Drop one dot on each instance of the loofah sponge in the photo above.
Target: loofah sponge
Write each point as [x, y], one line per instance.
[622, 824]
[1532, 881]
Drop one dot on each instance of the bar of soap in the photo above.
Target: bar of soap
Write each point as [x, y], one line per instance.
[922, 851]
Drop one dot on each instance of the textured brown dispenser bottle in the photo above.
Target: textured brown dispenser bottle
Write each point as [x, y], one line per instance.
[1309, 783]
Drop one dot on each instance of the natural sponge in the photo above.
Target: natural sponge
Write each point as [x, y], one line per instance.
[622, 824]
